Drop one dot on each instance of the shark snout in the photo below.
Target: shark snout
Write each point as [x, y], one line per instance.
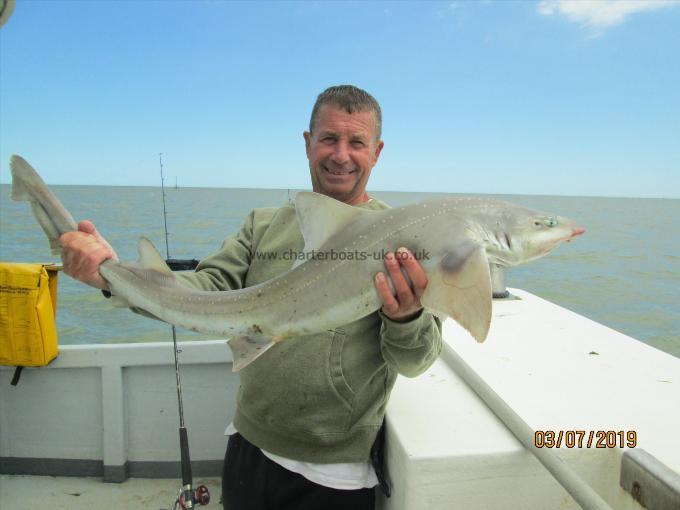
[577, 231]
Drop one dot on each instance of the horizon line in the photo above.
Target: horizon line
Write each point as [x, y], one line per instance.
[171, 187]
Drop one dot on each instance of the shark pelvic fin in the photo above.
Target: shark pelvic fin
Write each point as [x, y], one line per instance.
[149, 257]
[322, 217]
[247, 348]
[460, 287]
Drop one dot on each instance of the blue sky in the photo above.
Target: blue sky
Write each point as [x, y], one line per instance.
[550, 97]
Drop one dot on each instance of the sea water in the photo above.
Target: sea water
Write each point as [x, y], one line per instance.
[624, 272]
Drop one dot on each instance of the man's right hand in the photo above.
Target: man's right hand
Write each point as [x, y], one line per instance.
[83, 251]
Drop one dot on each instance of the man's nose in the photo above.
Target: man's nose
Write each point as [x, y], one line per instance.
[341, 152]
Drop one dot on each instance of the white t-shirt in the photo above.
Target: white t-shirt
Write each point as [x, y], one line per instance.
[342, 475]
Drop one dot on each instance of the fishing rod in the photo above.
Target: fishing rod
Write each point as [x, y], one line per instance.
[187, 496]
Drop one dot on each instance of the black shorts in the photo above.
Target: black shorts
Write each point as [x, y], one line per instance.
[252, 481]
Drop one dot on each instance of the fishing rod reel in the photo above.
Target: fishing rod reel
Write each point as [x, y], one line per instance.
[188, 498]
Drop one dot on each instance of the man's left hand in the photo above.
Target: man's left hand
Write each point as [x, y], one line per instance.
[406, 304]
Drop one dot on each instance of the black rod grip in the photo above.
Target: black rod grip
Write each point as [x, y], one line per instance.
[187, 478]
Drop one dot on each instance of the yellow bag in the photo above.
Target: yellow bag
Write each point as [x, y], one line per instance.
[28, 304]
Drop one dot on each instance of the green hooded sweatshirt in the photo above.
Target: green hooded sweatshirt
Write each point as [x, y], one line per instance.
[319, 398]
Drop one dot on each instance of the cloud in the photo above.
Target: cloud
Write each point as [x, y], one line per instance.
[598, 15]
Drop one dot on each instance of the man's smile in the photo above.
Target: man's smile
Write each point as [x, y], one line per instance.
[338, 172]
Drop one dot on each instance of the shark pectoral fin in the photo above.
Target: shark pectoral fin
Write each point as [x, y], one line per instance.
[149, 257]
[460, 287]
[247, 348]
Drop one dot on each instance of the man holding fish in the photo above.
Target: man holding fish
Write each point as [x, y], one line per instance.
[309, 410]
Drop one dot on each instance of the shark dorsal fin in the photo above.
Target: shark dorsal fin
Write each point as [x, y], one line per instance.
[149, 257]
[321, 217]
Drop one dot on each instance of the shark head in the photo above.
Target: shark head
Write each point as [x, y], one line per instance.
[521, 235]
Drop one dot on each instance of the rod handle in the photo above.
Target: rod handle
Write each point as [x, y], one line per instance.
[187, 478]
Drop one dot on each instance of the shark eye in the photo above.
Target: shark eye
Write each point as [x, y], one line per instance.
[546, 222]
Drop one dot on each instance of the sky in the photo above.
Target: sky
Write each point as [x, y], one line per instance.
[557, 97]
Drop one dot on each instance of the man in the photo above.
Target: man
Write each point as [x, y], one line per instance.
[309, 409]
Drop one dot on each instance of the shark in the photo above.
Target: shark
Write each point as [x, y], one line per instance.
[457, 240]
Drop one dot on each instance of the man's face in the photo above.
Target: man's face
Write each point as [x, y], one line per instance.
[341, 151]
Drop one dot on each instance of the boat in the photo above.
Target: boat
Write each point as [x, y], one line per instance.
[97, 428]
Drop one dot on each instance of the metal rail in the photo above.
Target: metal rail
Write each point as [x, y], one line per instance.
[582, 493]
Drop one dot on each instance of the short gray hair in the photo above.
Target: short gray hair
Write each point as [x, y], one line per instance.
[351, 99]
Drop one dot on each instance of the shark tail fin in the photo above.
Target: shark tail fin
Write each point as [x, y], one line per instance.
[48, 226]
[27, 186]
[19, 189]
[248, 347]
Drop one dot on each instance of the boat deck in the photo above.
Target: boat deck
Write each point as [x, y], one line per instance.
[23, 492]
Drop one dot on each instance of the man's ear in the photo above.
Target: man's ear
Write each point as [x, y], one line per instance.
[378, 150]
[308, 142]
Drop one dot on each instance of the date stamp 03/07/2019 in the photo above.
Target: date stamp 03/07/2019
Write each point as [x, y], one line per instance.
[585, 438]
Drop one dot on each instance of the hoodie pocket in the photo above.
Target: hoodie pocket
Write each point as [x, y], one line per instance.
[293, 388]
[337, 377]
